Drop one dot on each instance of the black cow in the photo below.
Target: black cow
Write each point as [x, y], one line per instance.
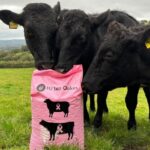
[58, 128]
[73, 37]
[39, 21]
[78, 39]
[80, 35]
[57, 107]
[122, 60]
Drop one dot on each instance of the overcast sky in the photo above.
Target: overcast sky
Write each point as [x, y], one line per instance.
[140, 9]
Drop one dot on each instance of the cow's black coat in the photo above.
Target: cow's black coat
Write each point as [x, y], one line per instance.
[122, 61]
[39, 21]
[78, 39]
[40, 24]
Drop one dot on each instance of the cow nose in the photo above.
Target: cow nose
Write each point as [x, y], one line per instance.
[61, 70]
[45, 66]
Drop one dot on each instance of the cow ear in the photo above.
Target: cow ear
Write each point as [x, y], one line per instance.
[97, 20]
[8, 16]
[146, 38]
[57, 8]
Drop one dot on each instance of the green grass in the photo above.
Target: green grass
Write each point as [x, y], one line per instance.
[15, 118]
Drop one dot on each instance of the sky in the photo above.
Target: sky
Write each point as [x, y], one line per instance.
[140, 9]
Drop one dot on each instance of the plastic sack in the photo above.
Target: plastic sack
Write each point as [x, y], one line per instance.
[57, 108]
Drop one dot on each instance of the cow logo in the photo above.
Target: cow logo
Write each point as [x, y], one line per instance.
[41, 87]
[62, 106]
[57, 106]
[58, 128]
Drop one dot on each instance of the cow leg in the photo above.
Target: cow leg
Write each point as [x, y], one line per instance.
[66, 114]
[100, 108]
[68, 135]
[86, 115]
[50, 137]
[92, 103]
[53, 137]
[51, 115]
[131, 102]
[105, 108]
[71, 135]
[147, 94]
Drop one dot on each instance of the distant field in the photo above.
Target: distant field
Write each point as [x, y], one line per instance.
[16, 59]
[15, 118]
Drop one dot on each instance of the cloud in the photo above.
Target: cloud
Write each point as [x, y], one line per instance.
[6, 33]
[138, 9]
[11, 7]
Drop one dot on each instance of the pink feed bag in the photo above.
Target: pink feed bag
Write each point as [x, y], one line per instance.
[57, 108]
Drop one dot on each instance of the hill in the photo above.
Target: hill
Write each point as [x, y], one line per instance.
[16, 59]
[11, 44]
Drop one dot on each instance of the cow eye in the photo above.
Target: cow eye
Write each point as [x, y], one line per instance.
[108, 55]
[30, 34]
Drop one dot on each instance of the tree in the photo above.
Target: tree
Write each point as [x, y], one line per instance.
[24, 48]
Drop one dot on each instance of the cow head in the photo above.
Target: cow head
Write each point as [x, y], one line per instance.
[122, 59]
[39, 21]
[72, 39]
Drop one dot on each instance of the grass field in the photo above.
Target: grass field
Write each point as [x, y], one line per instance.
[15, 118]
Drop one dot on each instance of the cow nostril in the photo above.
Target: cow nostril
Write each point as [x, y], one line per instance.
[39, 67]
[61, 70]
[44, 66]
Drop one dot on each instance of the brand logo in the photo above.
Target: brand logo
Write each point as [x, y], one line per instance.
[41, 87]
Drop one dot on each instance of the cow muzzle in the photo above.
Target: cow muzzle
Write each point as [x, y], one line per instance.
[62, 68]
[44, 66]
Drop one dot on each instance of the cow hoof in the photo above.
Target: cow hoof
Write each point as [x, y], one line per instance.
[86, 120]
[97, 123]
[131, 125]
[105, 110]
[86, 123]
[96, 131]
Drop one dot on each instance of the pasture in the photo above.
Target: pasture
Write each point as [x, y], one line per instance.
[15, 118]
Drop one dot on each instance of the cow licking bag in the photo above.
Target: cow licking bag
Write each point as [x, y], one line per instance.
[57, 108]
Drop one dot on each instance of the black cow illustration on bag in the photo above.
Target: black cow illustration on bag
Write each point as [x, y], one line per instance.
[58, 128]
[57, 107]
